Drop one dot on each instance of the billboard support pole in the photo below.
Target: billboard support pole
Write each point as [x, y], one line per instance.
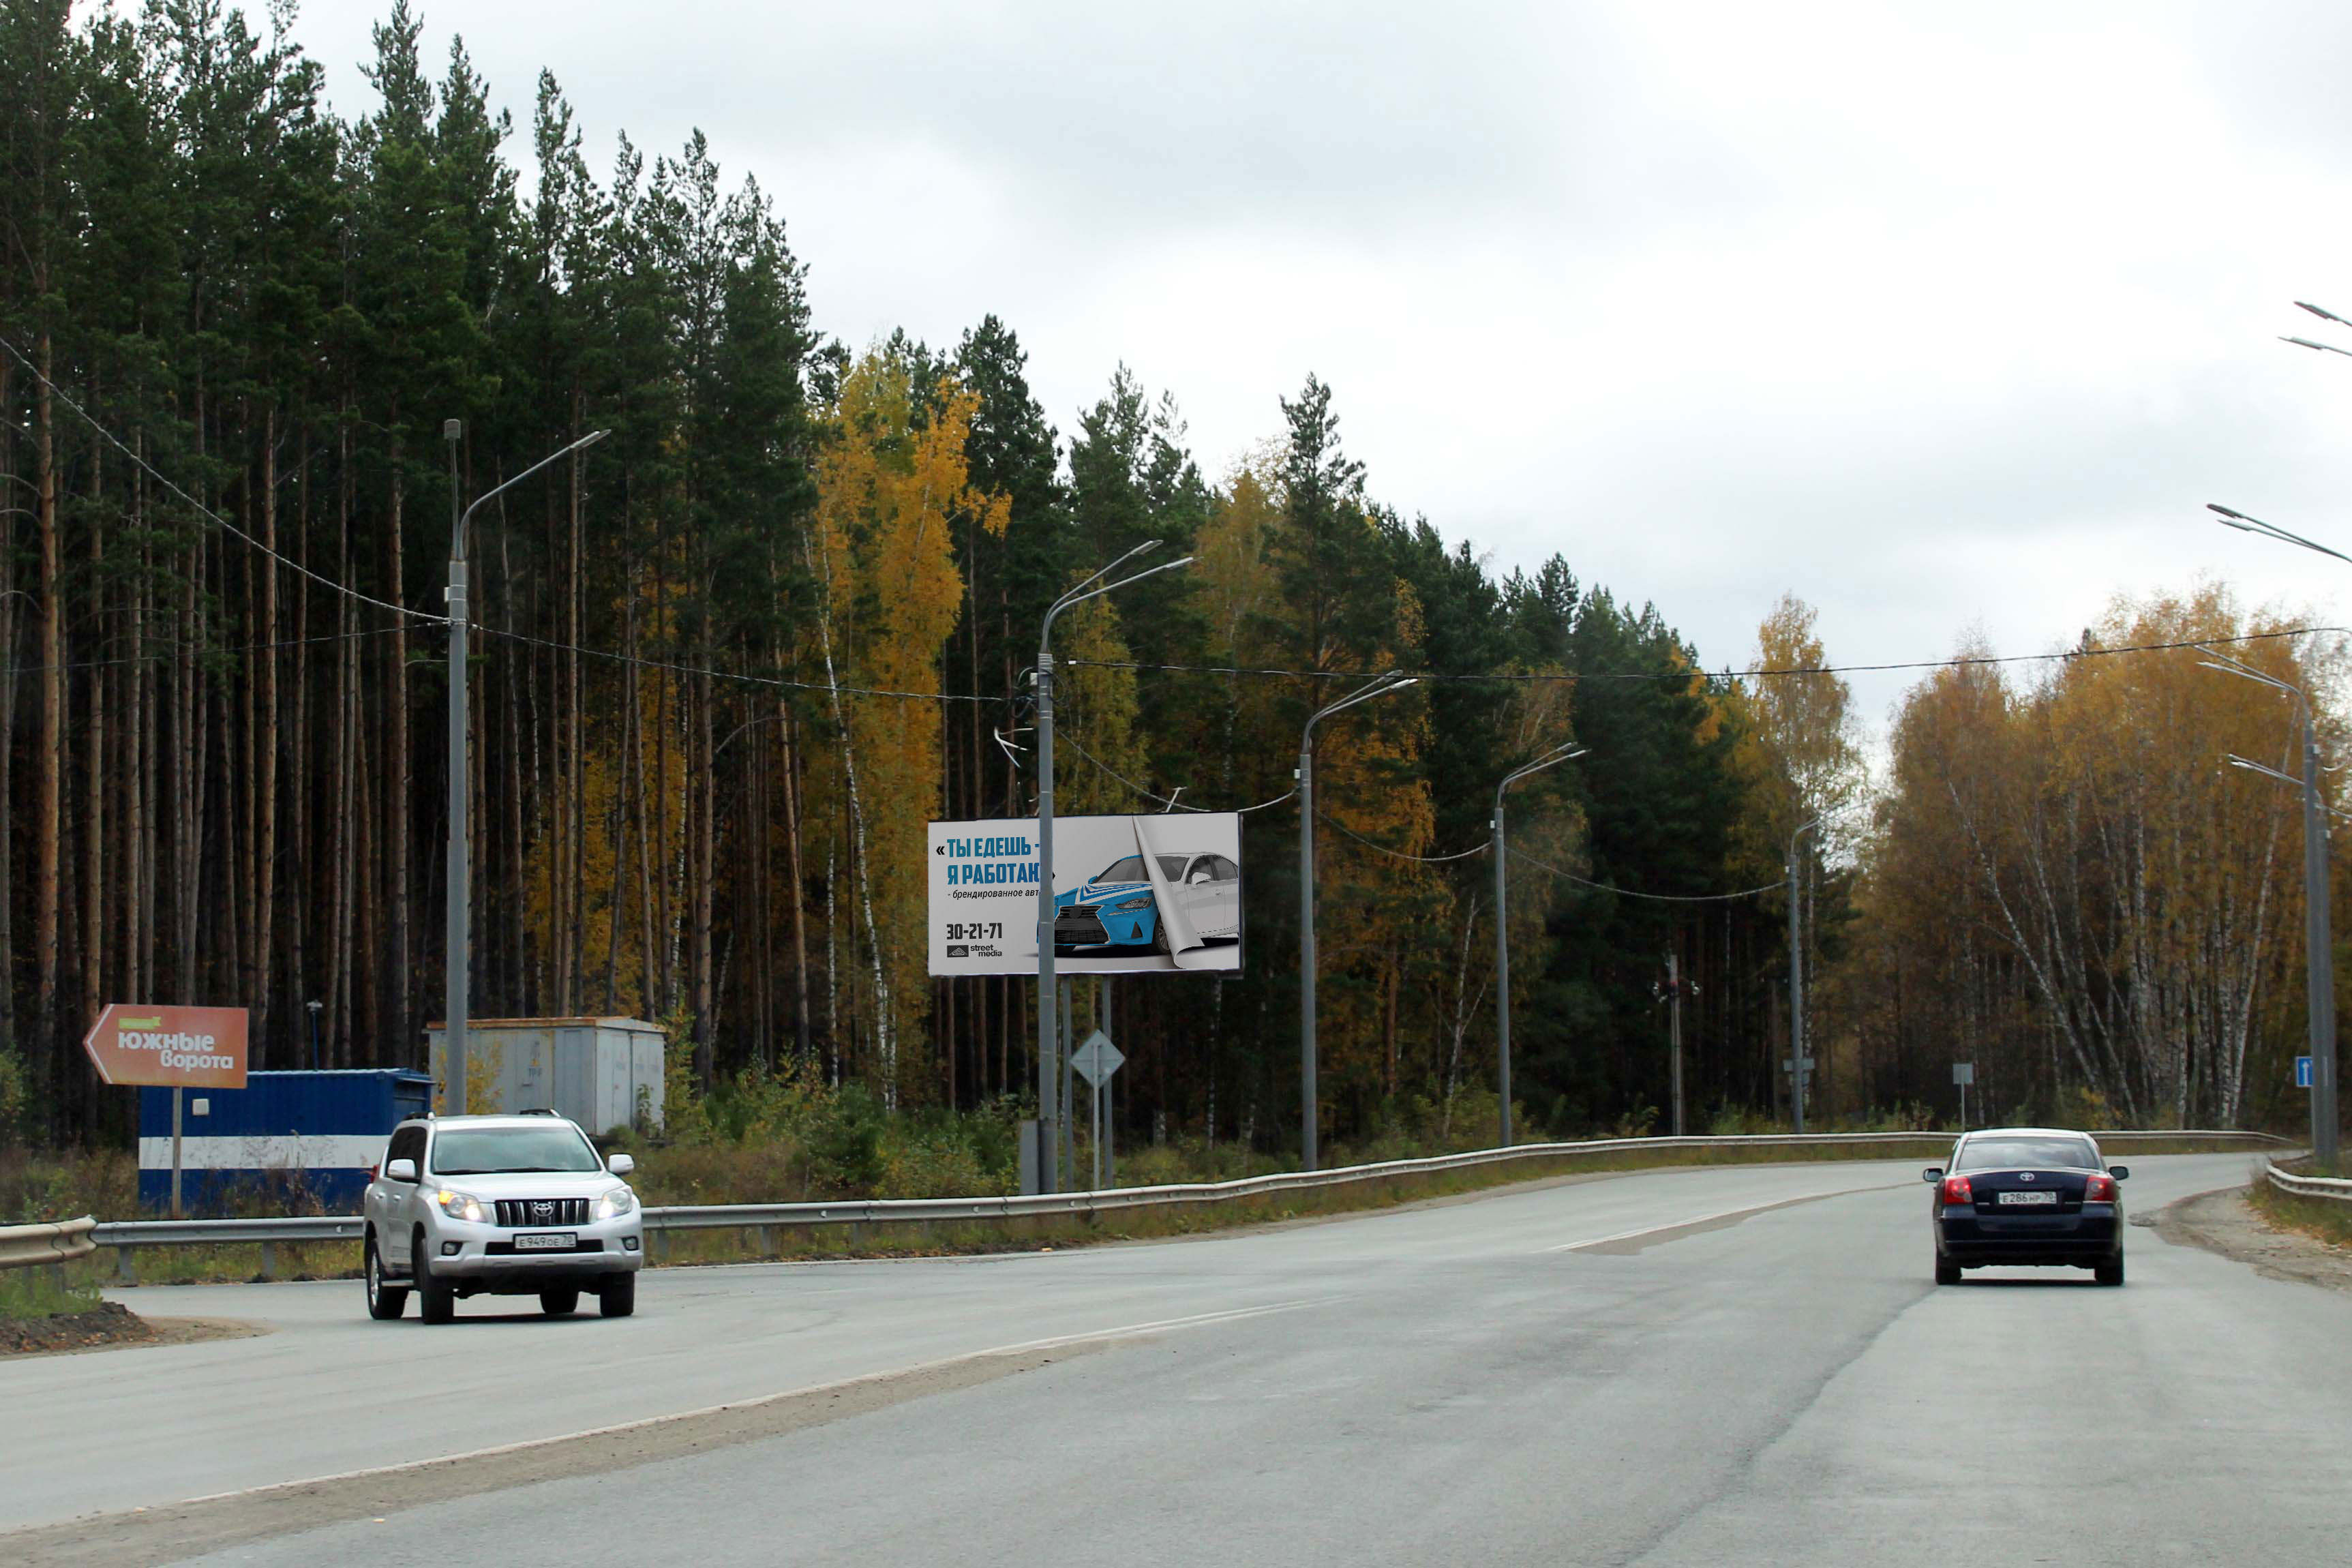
[1053, 1078]
[176, 1093]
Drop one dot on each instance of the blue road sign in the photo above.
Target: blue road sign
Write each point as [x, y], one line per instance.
[2303, 1072]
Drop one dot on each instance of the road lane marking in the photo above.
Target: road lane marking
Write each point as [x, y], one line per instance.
[1024, 1347]
[223, 1519]
[1674, 1230]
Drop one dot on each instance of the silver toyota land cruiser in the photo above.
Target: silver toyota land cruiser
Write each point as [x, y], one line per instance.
[499, 1205]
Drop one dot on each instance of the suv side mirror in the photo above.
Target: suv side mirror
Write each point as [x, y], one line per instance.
[400, 1169]
[2119, 1173]
[1932, 1173]
[620, 1164]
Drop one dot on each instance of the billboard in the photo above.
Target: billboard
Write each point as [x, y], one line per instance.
[194, 1047]
[1133, 895]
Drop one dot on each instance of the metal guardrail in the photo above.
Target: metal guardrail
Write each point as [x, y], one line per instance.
[126, 1235]
[2335, 1188]
[28, 1246]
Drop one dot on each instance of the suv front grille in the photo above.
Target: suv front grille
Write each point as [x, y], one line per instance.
[518, 1211]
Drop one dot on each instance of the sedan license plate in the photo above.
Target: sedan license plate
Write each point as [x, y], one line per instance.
[547, 1241]
[2028, 1200]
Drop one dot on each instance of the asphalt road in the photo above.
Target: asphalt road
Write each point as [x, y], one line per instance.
[1638, 1369]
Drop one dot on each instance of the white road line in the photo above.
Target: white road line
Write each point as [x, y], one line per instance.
[1711, 1219]
[1123, 1332]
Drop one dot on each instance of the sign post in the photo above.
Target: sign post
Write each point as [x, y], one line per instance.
[1964, 1074]
[1097, 1060]
[178, 1048]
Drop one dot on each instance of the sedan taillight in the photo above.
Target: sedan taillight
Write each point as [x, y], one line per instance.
[2099, 1190]
[1958, 1191]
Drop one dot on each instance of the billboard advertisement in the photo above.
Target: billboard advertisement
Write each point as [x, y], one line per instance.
[1132, 895]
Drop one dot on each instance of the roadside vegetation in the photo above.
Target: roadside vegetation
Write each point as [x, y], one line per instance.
[2319, 1218]
[783, 1140]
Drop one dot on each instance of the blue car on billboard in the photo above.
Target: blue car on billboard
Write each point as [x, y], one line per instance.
[1116, 910]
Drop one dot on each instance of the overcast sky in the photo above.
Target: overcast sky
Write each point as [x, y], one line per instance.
[1942, 317]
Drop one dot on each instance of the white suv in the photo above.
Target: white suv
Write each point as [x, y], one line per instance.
[503, 1205]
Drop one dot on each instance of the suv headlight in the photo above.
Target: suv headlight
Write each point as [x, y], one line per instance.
[465, 1205]
[615, 1204]
[1142, 903]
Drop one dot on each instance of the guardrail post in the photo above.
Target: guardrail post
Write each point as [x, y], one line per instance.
[269, 1260]
[126, 1269]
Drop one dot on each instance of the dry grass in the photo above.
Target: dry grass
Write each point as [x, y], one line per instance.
[2322, 1219]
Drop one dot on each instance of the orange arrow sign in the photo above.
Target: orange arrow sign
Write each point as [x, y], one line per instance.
[194, 1047]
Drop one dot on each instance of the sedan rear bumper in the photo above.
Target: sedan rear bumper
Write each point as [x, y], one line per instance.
[2082, 1241]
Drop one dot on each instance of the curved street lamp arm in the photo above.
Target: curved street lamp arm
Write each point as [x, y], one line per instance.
[2324, 348]
[1380, 688]
[2223, 663]
[458, 540]
[2233, 518]
[1075, 597]
[1568, 750]
[2323, 314]
[2265, 770]
[1078, 592]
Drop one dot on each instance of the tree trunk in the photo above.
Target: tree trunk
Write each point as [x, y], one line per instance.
[49, 779]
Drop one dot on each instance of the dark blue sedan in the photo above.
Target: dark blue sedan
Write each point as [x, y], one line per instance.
[2029, 1196]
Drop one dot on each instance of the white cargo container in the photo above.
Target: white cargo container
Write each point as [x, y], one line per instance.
[603, 1073]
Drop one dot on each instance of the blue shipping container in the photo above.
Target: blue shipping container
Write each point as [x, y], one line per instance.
[308, 1138]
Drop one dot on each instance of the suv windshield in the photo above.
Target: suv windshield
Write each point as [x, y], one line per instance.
[2027, 1154]
[485, 1151]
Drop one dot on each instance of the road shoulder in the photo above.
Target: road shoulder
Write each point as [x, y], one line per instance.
[2225, 1223]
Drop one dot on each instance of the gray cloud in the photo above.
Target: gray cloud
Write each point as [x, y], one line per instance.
[1940, 319]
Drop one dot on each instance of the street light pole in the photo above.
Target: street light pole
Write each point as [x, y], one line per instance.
[457, 958]
[1558, 754]
[1051, 1088]
[1381, 686]
[1797, 985]
[2319, 966]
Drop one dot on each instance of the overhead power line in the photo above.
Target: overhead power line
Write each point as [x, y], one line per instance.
[1959, 661]
[1169, 801]
[152, 471]
[167, 648]
[1397, 854]
[1634, 893]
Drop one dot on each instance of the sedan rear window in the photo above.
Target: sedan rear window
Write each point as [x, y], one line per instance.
[485, 1151]
[2027, 1154]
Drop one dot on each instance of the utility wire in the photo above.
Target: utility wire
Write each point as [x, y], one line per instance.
[1169, 801]
[166, 648]
[772, 681]
[1957, 662]
[219, 521]
[1399, 853]
[1660, 898]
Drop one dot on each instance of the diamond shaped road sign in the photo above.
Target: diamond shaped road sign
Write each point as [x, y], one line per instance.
[1097, 1059]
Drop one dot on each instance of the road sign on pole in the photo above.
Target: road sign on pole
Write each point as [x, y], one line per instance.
[1096, 1061]
[177, 1048]
[1964, 1074]
[2303, 1072]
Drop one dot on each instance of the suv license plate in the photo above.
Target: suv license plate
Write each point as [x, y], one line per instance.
[2029, 1200]
[547, 1241]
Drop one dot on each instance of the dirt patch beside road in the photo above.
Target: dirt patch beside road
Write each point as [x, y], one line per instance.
[2226, 1222]
[112, 1326]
